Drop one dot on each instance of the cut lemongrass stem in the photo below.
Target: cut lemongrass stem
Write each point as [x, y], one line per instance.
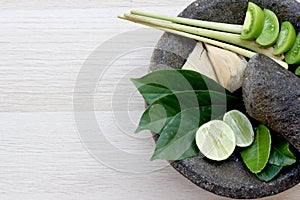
[238, 50]
[231, 28]
[217, 35]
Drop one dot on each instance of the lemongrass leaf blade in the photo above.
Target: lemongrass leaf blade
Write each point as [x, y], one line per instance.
[231, 28]
[238, 50]
[217, 35]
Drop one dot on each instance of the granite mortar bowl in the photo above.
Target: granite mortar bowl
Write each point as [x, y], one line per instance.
[229, 178]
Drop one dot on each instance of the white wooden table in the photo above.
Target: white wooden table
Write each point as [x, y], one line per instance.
[49, 52]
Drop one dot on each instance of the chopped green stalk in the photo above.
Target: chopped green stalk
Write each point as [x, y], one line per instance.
[223, 45]
[231, 28]
[222, 36]
[229, 47]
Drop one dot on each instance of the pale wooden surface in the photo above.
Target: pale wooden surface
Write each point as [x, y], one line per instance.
[43, 47]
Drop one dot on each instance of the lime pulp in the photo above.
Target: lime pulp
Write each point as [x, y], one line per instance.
[216, 140]
[241, 127]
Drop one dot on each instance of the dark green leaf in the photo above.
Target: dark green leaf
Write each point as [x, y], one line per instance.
[152, 92]
[280, 152]
[190, 152]
[180, 101]
[257, 155]
[163, 82]
[157, 115]
[177, 137]
[269, 172]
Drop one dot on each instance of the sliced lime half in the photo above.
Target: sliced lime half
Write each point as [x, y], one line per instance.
[241, 127]
[215, 140]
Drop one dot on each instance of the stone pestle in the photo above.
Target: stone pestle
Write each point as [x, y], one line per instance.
[271, 95]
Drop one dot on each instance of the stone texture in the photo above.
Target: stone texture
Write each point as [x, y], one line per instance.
[228, 178]
[271, 95]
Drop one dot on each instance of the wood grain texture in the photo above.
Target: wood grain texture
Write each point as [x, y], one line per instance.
[44, 45]
[43, 49]
[42, 158]
[82, 4]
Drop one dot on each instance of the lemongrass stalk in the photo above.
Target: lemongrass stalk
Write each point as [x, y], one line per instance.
[231, 28]
[223, 45]
[218, 35]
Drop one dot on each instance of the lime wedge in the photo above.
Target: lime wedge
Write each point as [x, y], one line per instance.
[215, 140]
[241, 127]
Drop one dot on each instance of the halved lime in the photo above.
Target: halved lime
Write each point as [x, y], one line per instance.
[215, 140]
[241, 127]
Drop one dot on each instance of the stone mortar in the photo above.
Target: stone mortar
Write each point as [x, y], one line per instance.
[228, 178]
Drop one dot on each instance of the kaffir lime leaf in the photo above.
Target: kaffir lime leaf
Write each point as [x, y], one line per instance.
[257, 155]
